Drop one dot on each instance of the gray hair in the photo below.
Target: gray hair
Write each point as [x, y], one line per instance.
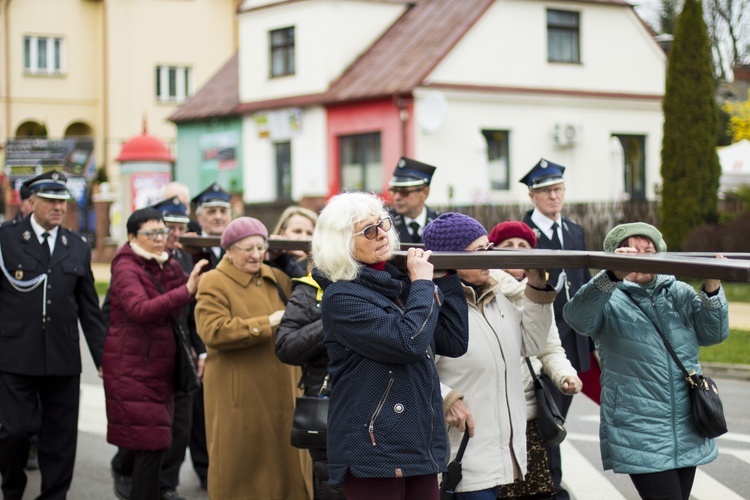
[333, 239]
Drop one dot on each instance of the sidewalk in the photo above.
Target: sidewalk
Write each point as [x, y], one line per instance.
[101, 272]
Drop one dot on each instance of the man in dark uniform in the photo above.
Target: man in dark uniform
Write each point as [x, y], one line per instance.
[555, 232]
[25, 208]
[409, 189]
[212, 213]
[46, 288]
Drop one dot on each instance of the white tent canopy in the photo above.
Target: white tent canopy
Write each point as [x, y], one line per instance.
[735, 165]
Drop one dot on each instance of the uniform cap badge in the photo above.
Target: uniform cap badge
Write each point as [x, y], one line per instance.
[18, 274]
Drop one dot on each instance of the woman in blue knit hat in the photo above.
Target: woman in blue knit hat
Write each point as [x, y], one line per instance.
[483, 389]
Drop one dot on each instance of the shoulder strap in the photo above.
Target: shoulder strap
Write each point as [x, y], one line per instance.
[282, 295]
[531, 369]
[663, 338]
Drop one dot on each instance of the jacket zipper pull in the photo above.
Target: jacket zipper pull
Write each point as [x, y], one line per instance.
[437, 296]
[372, 434]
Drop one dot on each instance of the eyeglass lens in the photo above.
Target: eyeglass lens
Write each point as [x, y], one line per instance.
[151, 235]
[371, 232]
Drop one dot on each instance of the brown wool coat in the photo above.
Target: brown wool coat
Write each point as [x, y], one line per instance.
[249, 394]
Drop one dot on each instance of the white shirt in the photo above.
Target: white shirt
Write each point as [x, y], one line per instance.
[215, 250]
[420, 219]
[544, 224]
[39, 230]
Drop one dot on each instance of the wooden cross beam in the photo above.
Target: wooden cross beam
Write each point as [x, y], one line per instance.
[700, 265]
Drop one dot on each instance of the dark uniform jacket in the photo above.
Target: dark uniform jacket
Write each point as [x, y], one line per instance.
[28, 346]
[404, 236]
[386, 410]
[577, 347]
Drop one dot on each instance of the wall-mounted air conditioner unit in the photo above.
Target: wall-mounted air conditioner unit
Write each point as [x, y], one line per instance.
[566, 135]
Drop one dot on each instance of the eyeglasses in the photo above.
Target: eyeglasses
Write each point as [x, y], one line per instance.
[558, 190]
[261, 249]
[152, 235]
[489, 246]
[371, 231]
[404, 191]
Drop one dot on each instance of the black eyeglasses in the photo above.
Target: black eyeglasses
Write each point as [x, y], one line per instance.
[404, 191]
[371, 231]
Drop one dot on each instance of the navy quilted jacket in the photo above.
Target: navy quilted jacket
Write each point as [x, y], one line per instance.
[386, 416]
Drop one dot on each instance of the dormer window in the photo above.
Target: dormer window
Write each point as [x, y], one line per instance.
[282, 51]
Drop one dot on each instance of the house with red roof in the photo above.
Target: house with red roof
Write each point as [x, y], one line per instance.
[326, 95]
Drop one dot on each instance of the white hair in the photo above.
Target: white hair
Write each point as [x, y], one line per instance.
[333, 239]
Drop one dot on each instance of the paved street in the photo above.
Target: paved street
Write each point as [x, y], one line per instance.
[724, 479]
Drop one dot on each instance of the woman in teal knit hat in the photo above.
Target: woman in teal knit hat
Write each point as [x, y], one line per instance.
[647, 428]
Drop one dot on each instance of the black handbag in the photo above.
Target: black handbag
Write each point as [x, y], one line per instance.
[186, 379]
[310, 421]
[550, 421]
[708, 411]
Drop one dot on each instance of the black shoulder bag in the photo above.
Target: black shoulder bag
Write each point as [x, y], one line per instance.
[708, 411]
[186, 377]
[549, 419]
[310, 420]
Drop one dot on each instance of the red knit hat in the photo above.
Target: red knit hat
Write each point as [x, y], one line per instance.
[512, 229]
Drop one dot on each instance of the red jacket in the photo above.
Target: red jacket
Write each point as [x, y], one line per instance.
[139, 351]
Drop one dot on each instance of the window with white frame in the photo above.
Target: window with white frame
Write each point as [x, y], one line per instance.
[43, 55]
[173, 83]
[563, 35]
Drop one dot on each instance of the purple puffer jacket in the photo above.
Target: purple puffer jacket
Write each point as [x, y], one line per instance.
[139, 351]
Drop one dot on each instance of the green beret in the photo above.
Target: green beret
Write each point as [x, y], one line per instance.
[624, 231]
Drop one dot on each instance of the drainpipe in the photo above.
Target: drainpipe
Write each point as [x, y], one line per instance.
[7, 68]
[403, 115]
[105, 87]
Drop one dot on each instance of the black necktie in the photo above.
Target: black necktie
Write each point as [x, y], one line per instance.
[414, 226]
[555, 238]
[45, 244]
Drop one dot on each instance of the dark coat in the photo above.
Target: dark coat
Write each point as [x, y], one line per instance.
[299, 340]
[28, 346]
[404, 236]
[386, 411]
[140, 350]
[577, 347]
[188, 318]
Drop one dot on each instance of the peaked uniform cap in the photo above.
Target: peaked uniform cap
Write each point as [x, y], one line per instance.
[172, 210]
[410, 173]
[543, 174]
[50, 185]
[213, 196]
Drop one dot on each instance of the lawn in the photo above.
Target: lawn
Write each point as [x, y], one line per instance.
[735, 349]
[101, 287]
[735, 292]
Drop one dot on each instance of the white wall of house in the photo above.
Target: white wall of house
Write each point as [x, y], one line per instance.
[508, 47]
[458, 148]
[610, 92]
[309, 158]
[329, 36]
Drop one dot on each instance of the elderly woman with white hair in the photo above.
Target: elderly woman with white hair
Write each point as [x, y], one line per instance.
[249, 393]
[647, 428]
[383, 327]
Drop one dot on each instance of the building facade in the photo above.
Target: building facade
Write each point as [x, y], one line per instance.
[332, 92]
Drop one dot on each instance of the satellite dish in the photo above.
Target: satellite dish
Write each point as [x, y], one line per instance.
[431, 111]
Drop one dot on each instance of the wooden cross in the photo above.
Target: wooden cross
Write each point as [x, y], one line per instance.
[736, 267]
